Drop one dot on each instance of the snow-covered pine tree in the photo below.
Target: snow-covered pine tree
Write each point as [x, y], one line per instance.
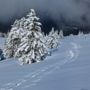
[52, 40]
[32, 48]
[80, 33]
[61, 33]
[14, 38]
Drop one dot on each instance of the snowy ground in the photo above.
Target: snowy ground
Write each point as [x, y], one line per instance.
[67, 69]
[2, 41]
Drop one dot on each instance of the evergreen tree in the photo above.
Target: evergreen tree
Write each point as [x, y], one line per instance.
[61, 33]
[14, 38]
[52, 40]
[32, 47]
[80, 33]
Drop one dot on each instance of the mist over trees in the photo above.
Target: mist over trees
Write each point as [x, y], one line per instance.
[63, 13]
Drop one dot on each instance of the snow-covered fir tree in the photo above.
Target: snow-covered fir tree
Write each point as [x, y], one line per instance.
[52, 40]
[32, 47]
[14, 38]
[61, 33]
[80, 33]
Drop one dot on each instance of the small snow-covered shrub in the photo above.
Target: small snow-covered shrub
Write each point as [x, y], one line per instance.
[1, 55]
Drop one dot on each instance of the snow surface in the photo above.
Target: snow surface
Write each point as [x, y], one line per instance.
[67, 69]
[2, 41]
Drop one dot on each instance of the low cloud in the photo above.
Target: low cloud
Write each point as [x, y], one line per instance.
[70, 10]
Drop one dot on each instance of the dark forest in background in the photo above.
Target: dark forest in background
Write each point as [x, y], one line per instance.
[68, 27]
[68, 15]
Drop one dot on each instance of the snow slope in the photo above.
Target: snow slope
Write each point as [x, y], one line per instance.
[67, 69]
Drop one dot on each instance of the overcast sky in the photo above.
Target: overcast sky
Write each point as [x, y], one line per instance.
[75, 10]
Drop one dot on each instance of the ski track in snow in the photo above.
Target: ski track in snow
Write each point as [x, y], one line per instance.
[73, 52]
[34, 78]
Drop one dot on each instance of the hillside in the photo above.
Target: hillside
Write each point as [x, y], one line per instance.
[67, 69]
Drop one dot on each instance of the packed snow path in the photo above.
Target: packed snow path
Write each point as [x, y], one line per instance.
[67, 69]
